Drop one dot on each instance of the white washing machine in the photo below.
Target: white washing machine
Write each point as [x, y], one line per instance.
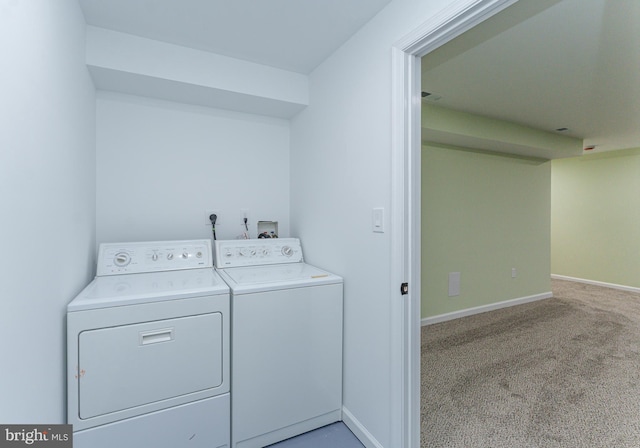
[286, 341]
[148, 349]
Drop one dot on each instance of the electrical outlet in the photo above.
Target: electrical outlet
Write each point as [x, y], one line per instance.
[208, 213]
[514, 273]
[244, 213]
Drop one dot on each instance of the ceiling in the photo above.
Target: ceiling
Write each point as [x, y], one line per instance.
[294, 35]
[549, 64]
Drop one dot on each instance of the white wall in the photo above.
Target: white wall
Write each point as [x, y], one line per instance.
[47, 169]
[164, 166]
[340, 165]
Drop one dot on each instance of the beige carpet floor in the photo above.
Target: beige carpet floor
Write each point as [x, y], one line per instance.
[561, 372]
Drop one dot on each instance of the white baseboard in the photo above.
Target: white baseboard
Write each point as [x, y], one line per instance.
[594, 282]
[484, 308]
[359, 430]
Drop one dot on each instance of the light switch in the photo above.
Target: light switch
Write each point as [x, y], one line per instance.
[378, 220]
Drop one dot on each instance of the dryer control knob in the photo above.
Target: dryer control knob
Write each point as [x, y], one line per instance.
[169, 256]
[154, 257]
[287, 251]
[122, 259]
[185, 255]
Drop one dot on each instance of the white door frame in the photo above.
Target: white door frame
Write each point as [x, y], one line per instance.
[461, 16]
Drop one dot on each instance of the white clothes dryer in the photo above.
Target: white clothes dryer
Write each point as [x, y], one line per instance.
[148, 349]
[286, 342]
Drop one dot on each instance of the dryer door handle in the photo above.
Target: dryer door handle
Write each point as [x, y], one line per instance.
[156, 336]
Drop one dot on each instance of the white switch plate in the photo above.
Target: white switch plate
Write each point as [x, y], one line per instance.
[378, 220]
[454, 284]
[514, 273]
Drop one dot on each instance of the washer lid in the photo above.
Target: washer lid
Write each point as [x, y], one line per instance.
[129, 289]
[279, 276]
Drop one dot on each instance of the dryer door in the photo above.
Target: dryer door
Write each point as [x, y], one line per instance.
[133, 365]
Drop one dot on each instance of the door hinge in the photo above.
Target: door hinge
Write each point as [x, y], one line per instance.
[404, 289]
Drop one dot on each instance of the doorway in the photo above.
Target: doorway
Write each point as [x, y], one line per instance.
[406, 182]
[407, 146]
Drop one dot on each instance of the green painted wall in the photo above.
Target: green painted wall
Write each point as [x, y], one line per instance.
[491, 134]
[483, 214]
[595, 227]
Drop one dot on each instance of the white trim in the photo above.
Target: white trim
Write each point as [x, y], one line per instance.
[359, 430]
[405, 252]
[405, 257]
[484, 308]
[451, 22]
[597, 283]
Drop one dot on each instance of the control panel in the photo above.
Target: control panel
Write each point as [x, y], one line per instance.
[154, 256]
[256, 252]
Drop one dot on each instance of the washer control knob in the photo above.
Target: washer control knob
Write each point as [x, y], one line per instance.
[122, 259]
[253, 252]
[185, 255]
[154, 257]
[228, 254]
[169, 256]
[287, 251]
[199, 254]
